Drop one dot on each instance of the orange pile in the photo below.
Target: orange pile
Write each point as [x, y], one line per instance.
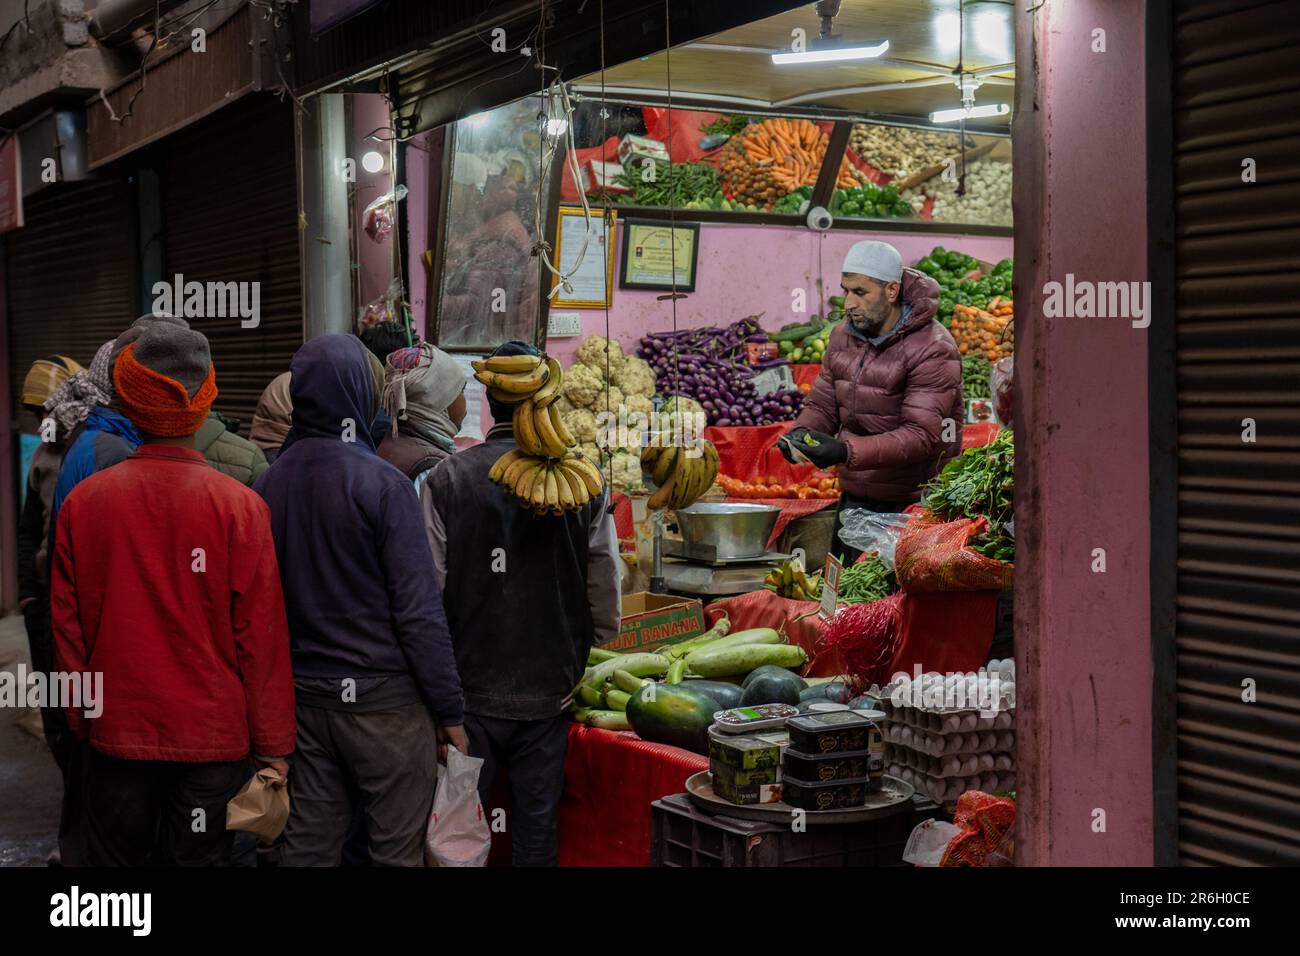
[988, 332]
[814, 487]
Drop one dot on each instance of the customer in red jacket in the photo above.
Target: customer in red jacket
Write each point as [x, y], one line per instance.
[165, 582]
[887, 407]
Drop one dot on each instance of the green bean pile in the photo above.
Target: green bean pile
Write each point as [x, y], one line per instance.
[869, 580]
[675, 184]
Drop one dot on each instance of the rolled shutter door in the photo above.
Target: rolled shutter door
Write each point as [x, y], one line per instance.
[1238, 363]
[230, 214]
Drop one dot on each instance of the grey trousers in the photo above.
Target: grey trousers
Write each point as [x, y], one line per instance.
[384, 762]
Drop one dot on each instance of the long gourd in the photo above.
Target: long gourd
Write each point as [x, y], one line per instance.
[743, 658]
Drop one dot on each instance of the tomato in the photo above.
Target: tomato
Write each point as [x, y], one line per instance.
[773, 480]
[791, 490]
[803, 494]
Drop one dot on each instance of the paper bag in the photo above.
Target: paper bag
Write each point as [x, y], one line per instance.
[458, 833]
[261, 807]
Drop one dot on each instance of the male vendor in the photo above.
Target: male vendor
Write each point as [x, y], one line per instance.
[887, 407]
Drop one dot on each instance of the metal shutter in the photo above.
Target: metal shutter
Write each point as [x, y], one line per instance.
[71, 273]
[1236, 94]
[230, 214]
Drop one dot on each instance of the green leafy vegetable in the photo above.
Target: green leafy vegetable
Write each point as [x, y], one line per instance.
[979, 483]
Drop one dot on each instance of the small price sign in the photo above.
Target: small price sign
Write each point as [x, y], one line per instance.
[830, 586]
[758, 351]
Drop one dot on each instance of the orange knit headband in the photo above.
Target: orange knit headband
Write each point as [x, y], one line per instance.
[159, 405]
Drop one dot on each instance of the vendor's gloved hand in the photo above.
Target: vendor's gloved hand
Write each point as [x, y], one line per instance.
[828, 451]
[793, 437]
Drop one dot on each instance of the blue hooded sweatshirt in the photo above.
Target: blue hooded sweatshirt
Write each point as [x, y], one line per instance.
[358, 575]
[103, 439]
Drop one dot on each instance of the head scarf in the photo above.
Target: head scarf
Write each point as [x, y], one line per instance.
[419, 384]
[157, 404]
[72, 401]
[45, 376]
[274, 415]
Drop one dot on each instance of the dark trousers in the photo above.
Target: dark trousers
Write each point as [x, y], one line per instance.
[64, 747]
[849, 555]
[531, 752]
[383, 762]
[144, 812]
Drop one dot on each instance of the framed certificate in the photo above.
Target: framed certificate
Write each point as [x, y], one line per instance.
[593, 282]
[657, 253]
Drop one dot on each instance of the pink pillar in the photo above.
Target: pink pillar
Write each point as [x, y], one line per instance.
[1083, 639]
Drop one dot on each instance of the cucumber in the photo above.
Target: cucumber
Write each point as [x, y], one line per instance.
[607, 720]
[726, 661]
[616, 699]
[589, 695]
[597, 656]
[640, 665]
[754, 635]
[629, 683]
[676, 671]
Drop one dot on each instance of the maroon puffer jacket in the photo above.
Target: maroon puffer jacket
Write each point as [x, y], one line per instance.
[889, 403]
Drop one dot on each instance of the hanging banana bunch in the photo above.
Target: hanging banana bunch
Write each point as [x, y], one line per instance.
[681, 477]
[544, 472]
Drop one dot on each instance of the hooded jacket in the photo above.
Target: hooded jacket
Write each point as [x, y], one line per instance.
[357, 571]
[888, 401]
[105, 438]
[229, 453]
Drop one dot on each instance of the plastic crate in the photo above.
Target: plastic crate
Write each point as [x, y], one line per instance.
[685, 836]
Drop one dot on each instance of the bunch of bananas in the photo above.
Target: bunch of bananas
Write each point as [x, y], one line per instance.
[543, 472]
[548, 485]
[790, 580]
[681, 477]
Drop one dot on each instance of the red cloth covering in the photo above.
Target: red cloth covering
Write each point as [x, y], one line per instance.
[568, 188]
[684, 142]
[791, 508]
[610, 780]
[805, 373]
[762, 608]
[979, 433]
[623, 525]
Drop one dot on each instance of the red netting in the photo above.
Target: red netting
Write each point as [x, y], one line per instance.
[864, 639]
[932, 556]
[986, 821]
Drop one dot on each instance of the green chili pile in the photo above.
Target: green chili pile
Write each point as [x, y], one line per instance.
[975, 376]
[869, 580]
[979, 483]
[675, 184]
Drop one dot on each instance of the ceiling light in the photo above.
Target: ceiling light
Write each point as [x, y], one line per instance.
[975, 112]
[555, 126]
[372, 162]
[832, 54]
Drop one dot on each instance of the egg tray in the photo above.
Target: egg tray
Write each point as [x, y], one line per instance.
[948, 789]
[952, 765]
[939, 745]
[948, 721]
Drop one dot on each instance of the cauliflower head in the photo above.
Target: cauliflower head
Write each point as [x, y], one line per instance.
[581, 385]
[582, 423]
[593, 350]
[591, 451]
[635, 377]
[616, 398]
[626, 475]
[563, 405]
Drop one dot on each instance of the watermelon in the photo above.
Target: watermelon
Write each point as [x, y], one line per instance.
[724, 695]
[772, 685]
[672, 714]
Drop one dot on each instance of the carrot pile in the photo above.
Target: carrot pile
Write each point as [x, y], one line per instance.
[989, 332]
[773, 158]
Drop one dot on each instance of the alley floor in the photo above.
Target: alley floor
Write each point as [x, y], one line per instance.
[30, 788]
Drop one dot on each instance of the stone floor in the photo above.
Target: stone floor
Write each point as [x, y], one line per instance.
[30, 789]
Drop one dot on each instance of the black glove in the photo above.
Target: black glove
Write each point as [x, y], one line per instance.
[793, 437]
[828, 451]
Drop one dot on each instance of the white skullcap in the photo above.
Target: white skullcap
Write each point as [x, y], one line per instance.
[876, 260]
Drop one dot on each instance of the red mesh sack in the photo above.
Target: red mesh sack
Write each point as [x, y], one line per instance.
[746, 453]
[863, 640]
[798, 619]
[986, 820]
[932, 556]
[681, 129]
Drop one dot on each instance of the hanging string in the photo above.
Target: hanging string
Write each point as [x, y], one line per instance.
[672, 195]
[608, 249]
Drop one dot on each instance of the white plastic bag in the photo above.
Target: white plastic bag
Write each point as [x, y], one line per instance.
[458, 833]
[875, 532]
[929, 840]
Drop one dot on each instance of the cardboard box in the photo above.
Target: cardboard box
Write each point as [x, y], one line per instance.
[654, 620]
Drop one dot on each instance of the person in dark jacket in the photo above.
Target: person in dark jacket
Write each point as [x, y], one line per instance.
[526, 597]
[273, 418]
[424, 395]
[887, 407]
[381, 340]
[372, 658]
[229, 452]
[165, 584]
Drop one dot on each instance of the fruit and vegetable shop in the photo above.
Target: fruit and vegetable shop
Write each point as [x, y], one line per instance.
[772, 269]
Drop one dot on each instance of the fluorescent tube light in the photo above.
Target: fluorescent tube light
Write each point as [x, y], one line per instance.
[832, 54]
[975, 112]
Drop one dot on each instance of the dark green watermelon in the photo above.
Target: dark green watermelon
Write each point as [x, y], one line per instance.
[724, 695]
[775, 685]
[672, 714]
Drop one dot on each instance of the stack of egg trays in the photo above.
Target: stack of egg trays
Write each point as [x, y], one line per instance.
[945, 753]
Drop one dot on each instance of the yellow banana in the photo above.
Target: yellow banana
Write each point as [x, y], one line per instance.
[687, 486]
[511, 364]
[505, 461]
[665, 465]
[524, 484]
[552, 487]
[515, 470]
[589, 473]
[649, 456]
[551, 390]
[561, 430]
[578, 493]
[538, 496]
[663, 495]
[544, 426]
[524, 383]
[525, 430]
[564, 491]
[503, 398]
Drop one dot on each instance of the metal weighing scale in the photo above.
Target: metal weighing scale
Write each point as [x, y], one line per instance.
[702, 569]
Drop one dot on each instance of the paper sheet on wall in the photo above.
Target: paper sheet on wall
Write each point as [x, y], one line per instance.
[474, 397]
[589, 282]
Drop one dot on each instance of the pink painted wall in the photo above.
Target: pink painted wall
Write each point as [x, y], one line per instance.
[1082, 639]
[423, 160]
[747, 269]
[374, 261]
